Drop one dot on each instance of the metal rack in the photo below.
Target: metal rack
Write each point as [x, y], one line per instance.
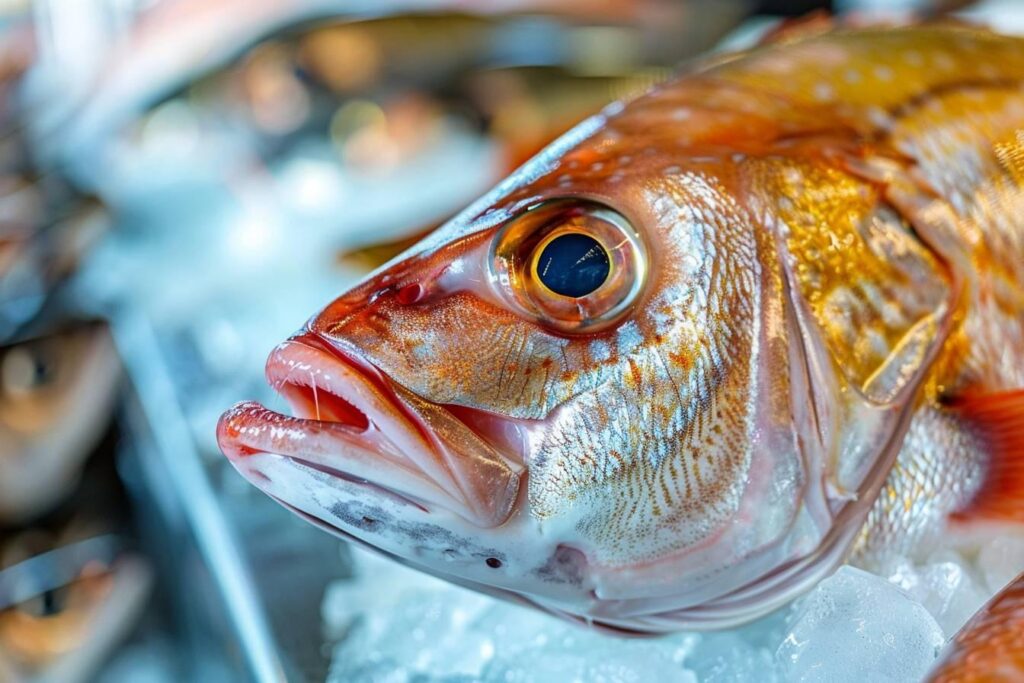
[187, 505]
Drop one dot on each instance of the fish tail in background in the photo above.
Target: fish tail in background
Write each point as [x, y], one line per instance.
[990, 647]
[998, 421]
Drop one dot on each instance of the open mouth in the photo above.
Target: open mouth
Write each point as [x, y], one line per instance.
[352, 422]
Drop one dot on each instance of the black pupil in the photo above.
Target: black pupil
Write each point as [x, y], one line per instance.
[573, 265]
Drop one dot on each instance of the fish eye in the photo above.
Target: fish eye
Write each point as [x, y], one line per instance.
[571, 264]
[574, 265]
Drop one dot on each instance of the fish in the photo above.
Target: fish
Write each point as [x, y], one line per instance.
[761, 320]
[989, 647]
[58, 395]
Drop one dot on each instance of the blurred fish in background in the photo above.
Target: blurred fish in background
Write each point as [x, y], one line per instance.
[181, 182]
[69, 586]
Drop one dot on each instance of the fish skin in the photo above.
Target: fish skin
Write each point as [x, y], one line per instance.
[990, 647]
[834, 247]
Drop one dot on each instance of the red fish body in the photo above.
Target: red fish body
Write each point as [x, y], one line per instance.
[698, 352]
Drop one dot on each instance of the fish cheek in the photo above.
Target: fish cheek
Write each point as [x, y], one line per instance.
[656, 459]
[465, 351]
[637, 474]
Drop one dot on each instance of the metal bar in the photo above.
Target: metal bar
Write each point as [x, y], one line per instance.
[54, 569]
[142, 358]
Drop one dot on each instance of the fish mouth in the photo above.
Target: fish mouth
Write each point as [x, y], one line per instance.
[354, 423]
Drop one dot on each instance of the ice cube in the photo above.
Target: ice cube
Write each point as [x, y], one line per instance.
[740, 654]
[551, 666]
[727, 658]
[1002, 559]
[944, 585]
[532, 647]
[397, 624]
[428, 632]
[570, 653]
[856, 626]
[400, 626]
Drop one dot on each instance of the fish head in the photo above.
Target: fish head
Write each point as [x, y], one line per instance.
[589, 392]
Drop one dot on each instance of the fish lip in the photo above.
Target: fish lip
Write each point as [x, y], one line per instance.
[374, 435]
[242, 431]
[472, 419]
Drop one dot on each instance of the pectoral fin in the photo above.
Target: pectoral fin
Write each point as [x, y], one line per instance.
[998, 421]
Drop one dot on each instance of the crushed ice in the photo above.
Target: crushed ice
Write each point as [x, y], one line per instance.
[395, 625]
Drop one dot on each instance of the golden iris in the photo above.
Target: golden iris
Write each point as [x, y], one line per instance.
[573, 264]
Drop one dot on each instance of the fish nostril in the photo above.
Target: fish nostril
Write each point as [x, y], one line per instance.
[410, 294]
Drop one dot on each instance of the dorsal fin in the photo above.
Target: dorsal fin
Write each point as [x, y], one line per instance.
[796, 28]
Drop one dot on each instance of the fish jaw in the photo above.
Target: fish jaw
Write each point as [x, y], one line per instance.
[353, 423]
[416, 481]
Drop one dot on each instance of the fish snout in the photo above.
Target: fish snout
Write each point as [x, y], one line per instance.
[407, 284]
[352, 422]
